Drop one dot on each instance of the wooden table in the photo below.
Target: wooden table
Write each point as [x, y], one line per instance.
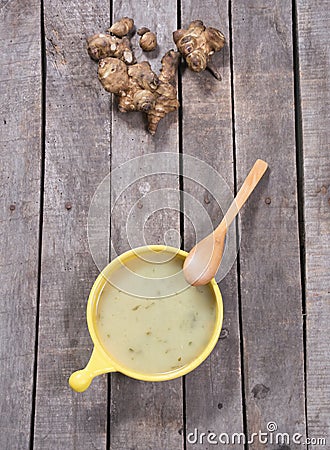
[60, 136]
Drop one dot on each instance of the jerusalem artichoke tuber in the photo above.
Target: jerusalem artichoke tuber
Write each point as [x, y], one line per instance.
[122, 27]
[137, 87]
[148, 41]
[103, 45]
[197, 44]
[143, 30]
[140, 89]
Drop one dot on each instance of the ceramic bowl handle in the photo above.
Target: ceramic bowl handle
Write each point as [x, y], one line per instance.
[79, 381]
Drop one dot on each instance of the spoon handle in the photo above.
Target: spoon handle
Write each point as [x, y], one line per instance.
[244, 193]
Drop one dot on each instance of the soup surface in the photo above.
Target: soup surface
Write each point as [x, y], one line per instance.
[149, 319]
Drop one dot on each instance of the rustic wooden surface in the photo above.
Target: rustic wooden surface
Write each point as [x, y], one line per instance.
[21, 148]
[76, 159]
[269, 254]
[155, 415]
[213, 392]
[61, 134]
[315, 102]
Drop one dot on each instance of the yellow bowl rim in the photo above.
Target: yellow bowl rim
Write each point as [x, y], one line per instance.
[117, 367]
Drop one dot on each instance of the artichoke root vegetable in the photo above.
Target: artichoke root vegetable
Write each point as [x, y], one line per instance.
[121, 28]
[197, 44]
[137, 87]
[143, 30]
[140, 89]
[148, 41]
[103, 45]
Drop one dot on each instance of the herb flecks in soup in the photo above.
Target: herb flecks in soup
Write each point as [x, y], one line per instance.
[165, 328]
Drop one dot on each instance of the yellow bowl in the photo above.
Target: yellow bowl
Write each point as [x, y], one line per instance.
[101, 360]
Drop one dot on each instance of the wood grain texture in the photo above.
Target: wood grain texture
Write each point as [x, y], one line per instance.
[83, 135]
[213, 391]
[144, 415]
[20, 143]
[313, 33]
[77, 159]
[269, 253]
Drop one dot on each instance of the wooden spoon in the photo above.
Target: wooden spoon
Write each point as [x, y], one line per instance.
[203, 261]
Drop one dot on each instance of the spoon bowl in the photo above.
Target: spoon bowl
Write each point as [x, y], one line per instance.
[203, 261]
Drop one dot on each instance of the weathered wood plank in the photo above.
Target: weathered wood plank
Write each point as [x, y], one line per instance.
[269, 253]
[77, 158]
[144, 415]
[20, 142]
[213, 391]
[313, 33]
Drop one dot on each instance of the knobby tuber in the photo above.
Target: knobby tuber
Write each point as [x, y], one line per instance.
[197, 44]
[137, 87]
[148, 41]
[140, 89]
[103, 45]
[141, 31]
[122, 27]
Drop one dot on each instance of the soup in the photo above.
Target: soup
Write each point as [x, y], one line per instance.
[149, 319]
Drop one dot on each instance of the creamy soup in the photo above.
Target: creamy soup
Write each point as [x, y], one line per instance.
[149, 319]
